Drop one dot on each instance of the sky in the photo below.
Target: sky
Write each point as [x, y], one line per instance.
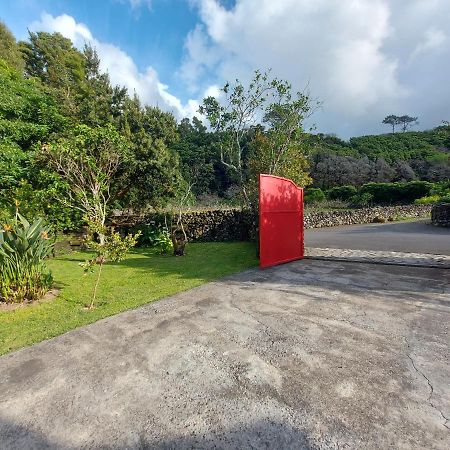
[362, 59]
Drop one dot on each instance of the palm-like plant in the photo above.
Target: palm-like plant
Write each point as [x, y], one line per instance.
[23, 249]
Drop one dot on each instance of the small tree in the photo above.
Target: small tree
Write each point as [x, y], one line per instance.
[391, 120]
[113, 248]
[407, 122]
[88, 162]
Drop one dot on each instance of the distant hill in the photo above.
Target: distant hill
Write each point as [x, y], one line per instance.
[431, 145]
[413, 155]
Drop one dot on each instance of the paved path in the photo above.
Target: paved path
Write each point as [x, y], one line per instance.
[379, 257]
[312, 354]
[412, 237]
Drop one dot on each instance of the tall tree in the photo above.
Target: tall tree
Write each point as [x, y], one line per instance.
[200, 158]
[28, 116]
[407, 122]
[153, 171]
[391, 120]
[9, 49]
[58, 64]
[264, 99]
[98, 102]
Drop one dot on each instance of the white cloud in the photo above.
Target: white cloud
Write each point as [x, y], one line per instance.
[120, 66]
[355, 55]
[433, 39]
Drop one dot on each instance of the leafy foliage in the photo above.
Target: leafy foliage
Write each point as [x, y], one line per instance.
[313, 195]
[9, 50]
[267, 100]
[50, 92]
[112, 247]
[154, 237]
[23, 249]
[88, 162]
[342, 192]
[397, 192]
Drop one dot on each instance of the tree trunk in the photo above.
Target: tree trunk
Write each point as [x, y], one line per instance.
[91, 306]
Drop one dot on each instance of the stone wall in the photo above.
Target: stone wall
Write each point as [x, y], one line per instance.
[209, 225]
[236, 225]
[365, 215]
[440, 215]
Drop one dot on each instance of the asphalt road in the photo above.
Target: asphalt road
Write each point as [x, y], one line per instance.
[415, 237]
[307, 355]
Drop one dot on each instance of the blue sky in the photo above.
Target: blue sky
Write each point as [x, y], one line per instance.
[363, 59]
[151, 33]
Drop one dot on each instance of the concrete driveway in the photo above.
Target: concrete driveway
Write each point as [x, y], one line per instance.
[415, 237]
[312, 354]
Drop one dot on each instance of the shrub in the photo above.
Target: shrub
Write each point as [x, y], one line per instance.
[415, 189]
[163, 242]
[113, 247]
[342, 193]
[397, 192]
[313, 195]
[154, 236]
[427, 200]
[361, 199]
[442, 188]
[23, 248]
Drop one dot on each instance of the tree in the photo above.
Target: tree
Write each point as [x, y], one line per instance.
[381, 171]
[88, 161]
[391, 120]
[97, 101]
[9, 49]
[58, 64]
[113, 248]
[404, 172]
[407, 122]
[151, 174]
[265, 100]
[200, 158]
[28, 116]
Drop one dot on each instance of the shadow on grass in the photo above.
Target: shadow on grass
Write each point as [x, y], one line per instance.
[219, 259]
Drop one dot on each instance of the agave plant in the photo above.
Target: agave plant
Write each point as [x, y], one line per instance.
[23, 249]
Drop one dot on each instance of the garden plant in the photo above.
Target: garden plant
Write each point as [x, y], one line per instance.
[24, 246]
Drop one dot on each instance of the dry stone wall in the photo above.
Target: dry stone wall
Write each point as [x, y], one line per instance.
[237, 225]
[365, 215]
[440, 215]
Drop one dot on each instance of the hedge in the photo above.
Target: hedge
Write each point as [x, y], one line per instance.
[397, 192]
[342, 193]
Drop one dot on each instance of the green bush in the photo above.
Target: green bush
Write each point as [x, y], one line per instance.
[416, 189]
[361, 199]
[441, 188]
[23, 249]
[313, 195]
[427, 200]
[397, 192]
[154, 236]
[342, 193]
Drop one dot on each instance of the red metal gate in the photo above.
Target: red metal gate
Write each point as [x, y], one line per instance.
[280, 221]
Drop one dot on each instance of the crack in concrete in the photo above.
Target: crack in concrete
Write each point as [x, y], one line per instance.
[431, 391]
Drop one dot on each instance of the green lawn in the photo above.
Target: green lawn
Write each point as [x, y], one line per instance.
[142, 277]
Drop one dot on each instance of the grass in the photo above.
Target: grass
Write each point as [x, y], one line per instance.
[143, 277]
